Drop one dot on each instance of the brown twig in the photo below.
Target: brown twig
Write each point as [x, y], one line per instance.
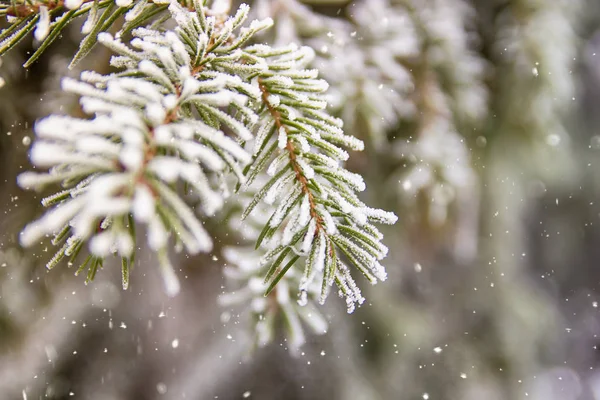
[25, 10]
[291, 150]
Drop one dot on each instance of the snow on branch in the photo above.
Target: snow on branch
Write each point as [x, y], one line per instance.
[156, 126]
[314, 196]
[188, 109]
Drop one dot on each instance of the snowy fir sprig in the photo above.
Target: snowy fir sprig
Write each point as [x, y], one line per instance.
[246, 285]
[314, 196]
[189, 108]
[122, 166]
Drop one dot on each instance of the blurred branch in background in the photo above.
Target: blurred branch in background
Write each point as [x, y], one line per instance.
[481, 127]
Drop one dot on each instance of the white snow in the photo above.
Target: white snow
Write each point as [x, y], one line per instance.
[42, 28]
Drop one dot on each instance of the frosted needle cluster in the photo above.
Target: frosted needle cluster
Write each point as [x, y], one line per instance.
[190, 110]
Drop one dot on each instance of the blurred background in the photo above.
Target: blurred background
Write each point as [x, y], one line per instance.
[482, 125]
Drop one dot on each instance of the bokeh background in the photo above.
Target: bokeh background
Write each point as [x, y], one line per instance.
[482, 125]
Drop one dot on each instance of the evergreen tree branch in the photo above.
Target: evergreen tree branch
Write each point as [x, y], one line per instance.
[123, 165]
[314, 192]
[188, 108]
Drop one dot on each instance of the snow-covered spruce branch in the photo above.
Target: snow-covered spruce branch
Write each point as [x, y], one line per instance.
[162, 120]
[122, 166]
[314, 196]
[246, 286]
